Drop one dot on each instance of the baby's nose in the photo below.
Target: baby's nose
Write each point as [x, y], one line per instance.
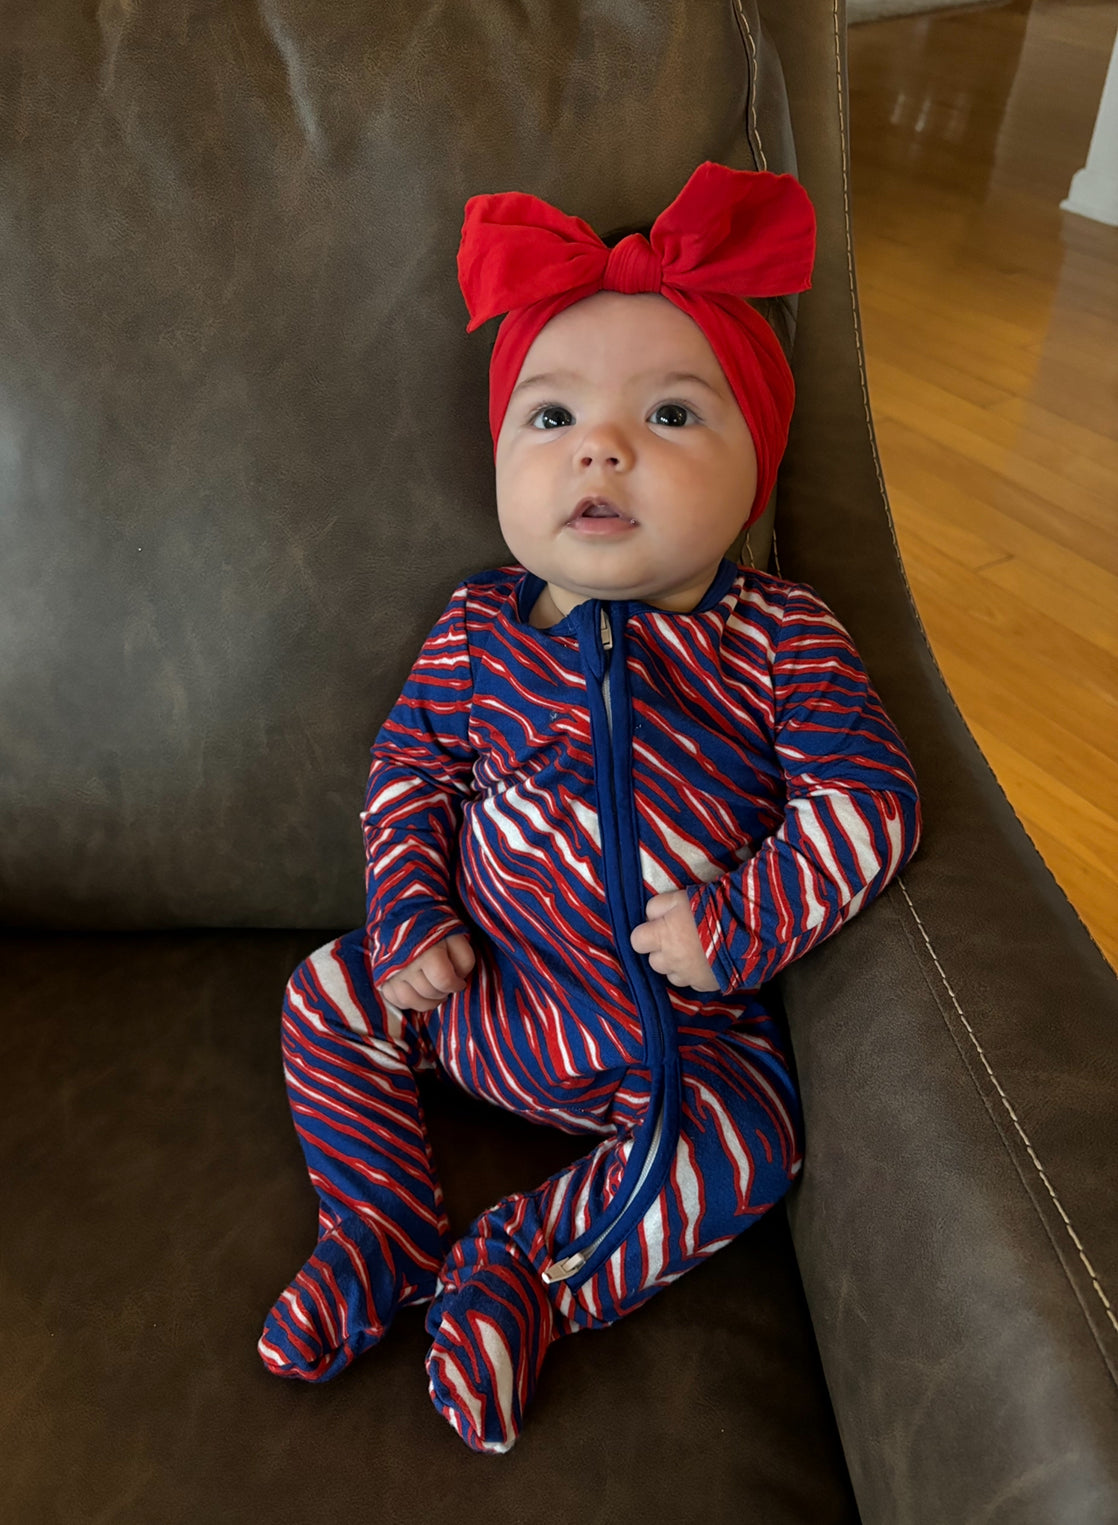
[605, 446]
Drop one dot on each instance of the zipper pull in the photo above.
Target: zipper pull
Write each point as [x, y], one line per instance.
[560, 1270]
[607, 633]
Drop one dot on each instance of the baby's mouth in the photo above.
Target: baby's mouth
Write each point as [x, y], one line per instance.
[598, 508]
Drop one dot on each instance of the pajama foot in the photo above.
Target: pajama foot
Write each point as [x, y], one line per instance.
[329, 1314]
[492, 1324]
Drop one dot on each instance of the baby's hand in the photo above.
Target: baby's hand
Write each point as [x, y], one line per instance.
[427, 981]
[671, 940]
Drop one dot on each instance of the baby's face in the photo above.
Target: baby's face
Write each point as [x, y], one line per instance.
[621, 405]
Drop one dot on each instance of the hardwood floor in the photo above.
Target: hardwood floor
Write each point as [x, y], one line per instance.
[991, 334]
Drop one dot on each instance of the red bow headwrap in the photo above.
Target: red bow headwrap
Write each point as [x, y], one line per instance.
[729, 234]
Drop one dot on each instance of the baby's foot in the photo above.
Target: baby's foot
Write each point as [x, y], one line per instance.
[340, 1304]
[492, 1323]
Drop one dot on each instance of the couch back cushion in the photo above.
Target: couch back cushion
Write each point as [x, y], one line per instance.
[243, 446]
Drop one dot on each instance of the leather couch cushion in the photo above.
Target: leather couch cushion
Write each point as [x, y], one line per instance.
[245, 455]
[155, 1204]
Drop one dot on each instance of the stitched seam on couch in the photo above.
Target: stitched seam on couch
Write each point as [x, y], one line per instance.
[1017, 1126]
[751, 48]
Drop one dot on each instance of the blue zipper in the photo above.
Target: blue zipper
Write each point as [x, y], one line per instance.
[602, 644]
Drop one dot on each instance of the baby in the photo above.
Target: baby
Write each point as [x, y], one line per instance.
[627, 781]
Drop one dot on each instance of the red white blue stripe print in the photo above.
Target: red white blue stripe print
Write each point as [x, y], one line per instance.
[533, 789]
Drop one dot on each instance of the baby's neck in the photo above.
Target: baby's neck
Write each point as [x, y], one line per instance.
[555, 603]
[545, 612]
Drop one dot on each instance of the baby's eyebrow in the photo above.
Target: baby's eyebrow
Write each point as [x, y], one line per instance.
[548, 378]
[672, 378]
[667, 378]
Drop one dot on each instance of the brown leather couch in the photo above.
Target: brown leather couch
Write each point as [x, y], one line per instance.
[243, 460]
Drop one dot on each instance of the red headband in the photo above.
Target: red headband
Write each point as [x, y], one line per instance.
[729, 234]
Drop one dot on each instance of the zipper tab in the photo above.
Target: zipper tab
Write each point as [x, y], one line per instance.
[561, 1270]
[607, 633]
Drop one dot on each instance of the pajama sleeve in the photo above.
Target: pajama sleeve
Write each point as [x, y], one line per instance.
[852, 812]
[421, 774]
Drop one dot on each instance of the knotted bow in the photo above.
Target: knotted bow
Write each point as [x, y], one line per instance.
[729, 232]
[728, 235]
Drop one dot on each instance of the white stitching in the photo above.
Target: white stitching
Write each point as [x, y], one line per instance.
[900, 560]
[1009, 1108]
[756, 136]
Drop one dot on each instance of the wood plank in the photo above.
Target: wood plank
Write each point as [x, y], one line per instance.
[945, 476]
[1010, 369]
[1094, 621]
[1029, 647]
[1028, 414]
[1086, 847]
[1030, 729]
[924, 394]
[967, 527]
[954, 423]
[940, 363]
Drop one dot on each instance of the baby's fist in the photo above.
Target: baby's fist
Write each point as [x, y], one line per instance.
[427, 981]
[672, 942]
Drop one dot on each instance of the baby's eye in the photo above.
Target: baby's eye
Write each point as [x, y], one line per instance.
[553, 416]
[672, 414]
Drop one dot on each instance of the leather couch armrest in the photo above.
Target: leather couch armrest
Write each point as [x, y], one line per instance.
[954, 1229]
[956, 1043]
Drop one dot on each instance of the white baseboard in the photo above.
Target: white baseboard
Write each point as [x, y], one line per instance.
[1093, 195]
